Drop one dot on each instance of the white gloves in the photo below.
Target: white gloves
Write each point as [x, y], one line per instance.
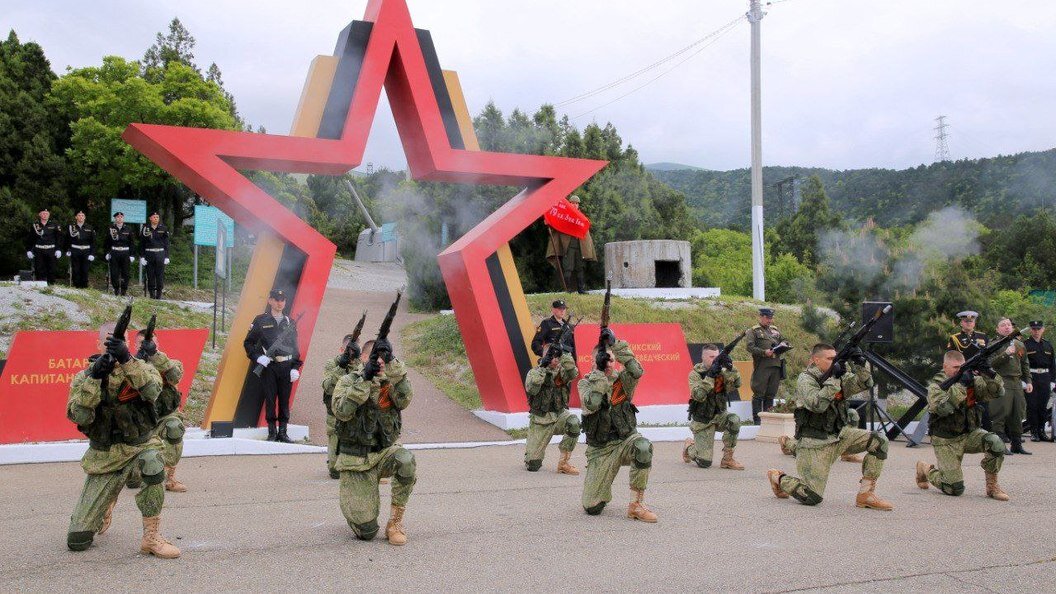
[294, 375]
[143, 261]
[67, 254]
[29, 255]
[108, 257]
[264, 360]
[166, 261]
[91, 258]
[58, 253]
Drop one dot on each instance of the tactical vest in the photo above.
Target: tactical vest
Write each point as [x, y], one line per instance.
[714, 403]
[127, 419]
[614, 421]
[552, 397]
[967, 417]
[375, 426]
[823, 425]
[168, 401]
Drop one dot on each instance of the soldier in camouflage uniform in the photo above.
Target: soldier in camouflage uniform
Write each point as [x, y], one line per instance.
[611, 427]
[955, 424]
[347, 361]
[1007, 412]
[788, 444]
[113, 403]
[710, 387]
[548, 387]
[823, 433]
[170, 425]
[766, 346]
[367, 405]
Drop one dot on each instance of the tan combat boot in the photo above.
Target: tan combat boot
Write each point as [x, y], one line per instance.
[171, 484]
[728, 461]
[637, 510]
[564, 466]
[994, 490]
[923, 469]
[685, 450]
[154, 543]
[867, 496]
[774, 476]
[394, 529]
[108, 516]
[851, 458]
[783, 442]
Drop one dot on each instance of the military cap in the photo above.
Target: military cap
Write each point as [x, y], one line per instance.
[1037, 324]
[573, 199]
[766, 311]
[968, 314]
[154, 212]
[44, 209]
[278, 294]
[118, 214]
[560, 303]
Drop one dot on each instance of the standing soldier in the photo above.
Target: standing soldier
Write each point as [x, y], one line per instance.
[710, 384]
[612, 429]
[1042, 367]
[548, 387]
[346, 362]
[80, 243]
[170, 419]
[281, 369]
[118, 249]
[766, 346]
[822, 432]
[113, 403]
[368, 407]
[955, 425]
[44, 247]
[549, 330]
[568, 254]
[1007, 412]
[154, 254]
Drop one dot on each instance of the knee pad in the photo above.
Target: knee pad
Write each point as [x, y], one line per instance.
[955, 489]
[174, 430]
[805, 495]
[152, 467]
[365, 531]
[643, 453]
[79, 541]
[702, 463]
[877, 446]
[994, 445]
[594, 509]
[572, 428]
[734, 423]
[405, 466]
[533, 465]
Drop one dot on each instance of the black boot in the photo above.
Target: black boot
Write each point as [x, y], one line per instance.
[1017, 446]
[282, 437]
[580, 282]
[271, 431]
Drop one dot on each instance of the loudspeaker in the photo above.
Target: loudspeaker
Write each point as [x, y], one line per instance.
[884, 329]
[222, 429]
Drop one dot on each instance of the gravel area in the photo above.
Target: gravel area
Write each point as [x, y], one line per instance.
[381, 277]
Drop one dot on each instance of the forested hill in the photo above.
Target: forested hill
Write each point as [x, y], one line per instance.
[994, 189]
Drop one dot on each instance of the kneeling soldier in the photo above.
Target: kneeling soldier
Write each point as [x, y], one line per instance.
[710, 384]
[955, 427]
[170, 426]
[548, 387]
[788, 444]
[113, 403]
[346, 362]
[367, 405]
[823, 433]
[611, 427]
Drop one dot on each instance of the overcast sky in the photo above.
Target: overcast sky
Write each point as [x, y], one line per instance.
[846, 83]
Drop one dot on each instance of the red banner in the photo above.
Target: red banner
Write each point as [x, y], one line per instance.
[566, 218]
[35, 382]
[660, 348]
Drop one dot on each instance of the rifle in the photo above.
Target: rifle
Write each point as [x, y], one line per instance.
[981, 360]
[386, 324]
[258, 370]
[148, 335]
[724, 354]
[605, 315]
[566, 338]
[120, 328]
[359, 329]
[852, 343]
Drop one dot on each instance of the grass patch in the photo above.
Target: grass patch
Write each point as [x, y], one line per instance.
[435, 349]
[518, 433]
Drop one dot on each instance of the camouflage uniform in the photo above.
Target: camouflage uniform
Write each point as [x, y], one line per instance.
[369, 411]
[853, 419]
[548, 391]
[819, 448]
[955, 426]
[612, 442]
[170, 426]
[709, 399]
[137, 449]
[332, 372]
[1007, 411]
[767, 372]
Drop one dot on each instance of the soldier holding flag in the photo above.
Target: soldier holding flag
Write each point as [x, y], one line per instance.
[569, 244]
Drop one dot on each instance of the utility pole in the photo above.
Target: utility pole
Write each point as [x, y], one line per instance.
[755, 16]
[942, 147]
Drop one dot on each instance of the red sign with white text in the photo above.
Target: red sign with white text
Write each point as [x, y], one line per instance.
[660, 348]
[36, 379]
[566, 218]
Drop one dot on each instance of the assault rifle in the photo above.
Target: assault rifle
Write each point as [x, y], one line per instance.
[148, 336]
[723, 358]
[853, 342]
[602, 343]
[565, 341]
[106, 360]
[279, 343]
[352, 350]
[386, 325]
[980, 362]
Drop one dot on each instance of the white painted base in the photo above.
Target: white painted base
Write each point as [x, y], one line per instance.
[196, 442]
[672, 293]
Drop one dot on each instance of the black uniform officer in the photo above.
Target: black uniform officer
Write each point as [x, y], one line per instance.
[118, 247]
[80, 244]
[281, 367]
[154, 254]
[549, 331]
[1042, 367]
[44, 247]
[970, 342]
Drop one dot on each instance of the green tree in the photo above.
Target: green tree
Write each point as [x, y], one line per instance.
[799, 234]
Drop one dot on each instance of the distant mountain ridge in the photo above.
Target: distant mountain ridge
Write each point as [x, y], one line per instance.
[665, 166]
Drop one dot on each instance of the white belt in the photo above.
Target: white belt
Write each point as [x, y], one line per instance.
[1033, 370]
[282, 358]
[81, 247]
[45, 247]
[155, 249]
[118, 249]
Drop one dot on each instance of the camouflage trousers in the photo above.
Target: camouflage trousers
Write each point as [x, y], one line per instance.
[814, 461]
[102, 489]
[331, 441]
[359, 492]
[703, 448]
[170, 430]
[852, 421]
[604, 462]
[949, 453]
[1008, 411]
[539, 434]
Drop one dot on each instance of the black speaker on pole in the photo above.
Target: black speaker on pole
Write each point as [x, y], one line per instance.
[884, 329]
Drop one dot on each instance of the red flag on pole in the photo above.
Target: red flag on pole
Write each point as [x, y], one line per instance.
[565, 217]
